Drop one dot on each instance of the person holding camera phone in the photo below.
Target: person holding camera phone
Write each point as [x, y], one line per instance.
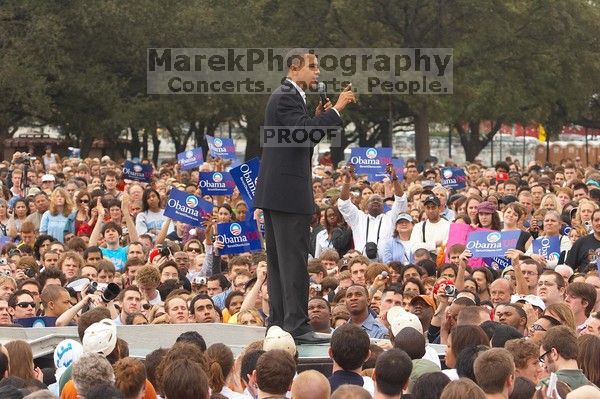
[112, 232]
[370, 230]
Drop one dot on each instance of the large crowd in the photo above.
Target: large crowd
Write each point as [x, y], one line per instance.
[81, 246]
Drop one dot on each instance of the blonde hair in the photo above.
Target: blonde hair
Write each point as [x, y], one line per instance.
[554, 199]
[582, 202]
[67, 207]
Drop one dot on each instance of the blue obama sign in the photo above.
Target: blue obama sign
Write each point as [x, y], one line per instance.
[137, 171]
[190, 159]
[221, 147]
[548, 247]
[187, 208]
[238, 237]
[245, 177]
[370, 161]
[454, 178]
[485, 244]
[216, 183]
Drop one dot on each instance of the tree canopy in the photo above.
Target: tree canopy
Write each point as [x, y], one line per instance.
[81, 66]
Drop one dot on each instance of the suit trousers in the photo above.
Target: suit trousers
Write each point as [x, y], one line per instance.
[287, 241]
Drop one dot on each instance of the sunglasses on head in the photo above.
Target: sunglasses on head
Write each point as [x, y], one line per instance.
[25, 305]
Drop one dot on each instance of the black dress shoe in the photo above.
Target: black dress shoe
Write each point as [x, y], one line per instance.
[311, 338]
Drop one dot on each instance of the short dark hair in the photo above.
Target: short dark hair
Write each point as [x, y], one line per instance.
[114, 226]
[430, 385]
[12, 299]
[392, 371]
[492, 369]
[467, 335]
[193, 337]
[563, 339]
[466, 359]
[249, 361]
[586, 292]
[349, 346]
[197, 298]
[411, 342]
[223, 282]
[275, 371]
[90, 250]
[51, 272]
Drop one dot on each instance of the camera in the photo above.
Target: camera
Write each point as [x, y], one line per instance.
[199, 280]
[26, 157]
[30, 272]
[384, 274]
[316, 287]
[450, 290]
[3, 261]
[164, 250]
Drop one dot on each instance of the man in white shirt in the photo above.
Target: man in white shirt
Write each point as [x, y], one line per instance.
[433, 232]
[374, 226]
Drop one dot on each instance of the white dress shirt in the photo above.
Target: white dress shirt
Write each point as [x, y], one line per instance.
[357, 220]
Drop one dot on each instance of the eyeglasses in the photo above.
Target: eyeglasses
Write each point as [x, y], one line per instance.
[83, 201]
[537, 327]
[26, 305]
[194, 249]
[529, 273]
[542, 358]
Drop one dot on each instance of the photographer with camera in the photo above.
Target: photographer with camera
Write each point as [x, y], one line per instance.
[370, 230]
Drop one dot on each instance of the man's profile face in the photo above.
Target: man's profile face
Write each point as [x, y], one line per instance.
[305, 72]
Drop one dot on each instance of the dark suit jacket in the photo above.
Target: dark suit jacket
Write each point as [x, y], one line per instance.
[285, 178]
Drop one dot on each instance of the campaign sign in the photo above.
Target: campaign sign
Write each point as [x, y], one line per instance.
[190, 159]
[187, 208]
[216, 183]
[370, 161]
[548, 247]
[498, 263]
[238, 237]
[220, 147]
[245, 177]
[137, 172]
[454, 178]
[399, 167]
[484, 244]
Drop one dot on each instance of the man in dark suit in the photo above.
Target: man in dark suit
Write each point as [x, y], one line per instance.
[284, 192]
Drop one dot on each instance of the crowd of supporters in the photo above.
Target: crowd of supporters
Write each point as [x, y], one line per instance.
[83, 247]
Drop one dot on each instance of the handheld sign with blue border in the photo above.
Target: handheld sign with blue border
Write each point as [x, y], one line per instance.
[137, 171]
[187, 208]
[454, 178]
[220, 147]
[548, 247]
[216, 183]
[497, 263]
[245, 177]
[485, 244]
[370, 161]
[238, 237]
[190, 159]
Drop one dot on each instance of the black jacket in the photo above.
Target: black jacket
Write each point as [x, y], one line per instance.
[285, 179]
